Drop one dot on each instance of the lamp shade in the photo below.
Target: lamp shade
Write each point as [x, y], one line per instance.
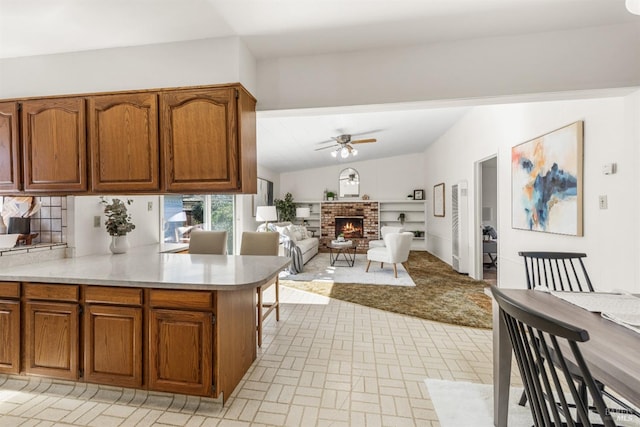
[266, 213]
[303, 212]
[633, 6]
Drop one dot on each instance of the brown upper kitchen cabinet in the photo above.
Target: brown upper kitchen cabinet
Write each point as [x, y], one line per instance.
[208, 140]
[9, 148]
[54, 145]
[123, 142]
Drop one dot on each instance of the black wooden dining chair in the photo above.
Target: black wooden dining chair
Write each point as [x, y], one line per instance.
[563, 271]
[534, 337]
[558, 271]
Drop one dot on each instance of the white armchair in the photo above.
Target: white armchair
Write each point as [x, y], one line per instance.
[396, 249]
[384, 230]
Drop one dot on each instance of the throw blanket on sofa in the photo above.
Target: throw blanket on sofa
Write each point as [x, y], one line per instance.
[292, 251]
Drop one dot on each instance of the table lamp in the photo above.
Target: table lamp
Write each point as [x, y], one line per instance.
[266, 214]
[303, 213]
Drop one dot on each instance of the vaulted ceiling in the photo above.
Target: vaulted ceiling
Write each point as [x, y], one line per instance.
[279, 28]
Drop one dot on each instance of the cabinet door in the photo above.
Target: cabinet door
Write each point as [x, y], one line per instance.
[9, 150]
[180, 352]
[123, 142]
[113, 345]
[51, 339]
[200, 140]
[9, 337]
[54, 143]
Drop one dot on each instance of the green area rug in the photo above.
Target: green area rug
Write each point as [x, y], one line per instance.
[440, 294]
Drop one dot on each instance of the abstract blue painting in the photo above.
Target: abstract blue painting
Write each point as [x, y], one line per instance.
[546, 178]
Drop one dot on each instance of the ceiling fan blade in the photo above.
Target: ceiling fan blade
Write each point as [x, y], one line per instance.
[363, 141]
[324, 148]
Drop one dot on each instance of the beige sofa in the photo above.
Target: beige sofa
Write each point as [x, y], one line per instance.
[298, 235]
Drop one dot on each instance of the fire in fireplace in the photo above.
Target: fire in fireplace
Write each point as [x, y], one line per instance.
[350, 226]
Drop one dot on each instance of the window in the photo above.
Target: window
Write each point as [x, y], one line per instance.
[183, 213]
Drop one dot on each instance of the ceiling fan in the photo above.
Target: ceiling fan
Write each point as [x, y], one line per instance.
[343, 145]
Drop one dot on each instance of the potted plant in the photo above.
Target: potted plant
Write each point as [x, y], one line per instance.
[286, 208]
[330, 195]
[118, 224]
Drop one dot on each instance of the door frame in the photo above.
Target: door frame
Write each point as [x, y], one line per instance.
[477, 267]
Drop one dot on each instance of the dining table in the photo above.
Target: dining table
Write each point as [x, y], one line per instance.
[612, 352]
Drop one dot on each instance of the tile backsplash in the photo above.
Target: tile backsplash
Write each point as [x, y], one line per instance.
[50, 222]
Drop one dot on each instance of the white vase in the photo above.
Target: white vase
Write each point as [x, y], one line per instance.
[119, 244]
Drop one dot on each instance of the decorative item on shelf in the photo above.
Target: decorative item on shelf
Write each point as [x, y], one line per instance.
[266, 214]
[410, 197]
[365, 197]
[418, 194]
[330, 195]
[286, 208]
[118, 224]
[401, 218]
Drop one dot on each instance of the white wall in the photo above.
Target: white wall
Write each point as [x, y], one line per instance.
[85, 239]
[199, 62]
[587, 58]
[390, 178]
[245, 221]
[611, 134]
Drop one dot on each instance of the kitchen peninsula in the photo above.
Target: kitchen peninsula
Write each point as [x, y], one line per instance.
[160, 321]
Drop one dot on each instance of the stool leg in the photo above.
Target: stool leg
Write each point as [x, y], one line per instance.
[368, 264]
[395, 270]
[277, 299]
[259, 308]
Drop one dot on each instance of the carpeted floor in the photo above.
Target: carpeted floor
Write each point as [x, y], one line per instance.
[440, 293]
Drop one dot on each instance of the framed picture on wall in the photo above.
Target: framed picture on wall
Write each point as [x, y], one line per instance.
[546, 182]
[264, 197]
[418, 194]
[438, 200]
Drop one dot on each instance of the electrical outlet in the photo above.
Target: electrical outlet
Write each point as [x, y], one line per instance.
[96, 221]
[149, 206]
[602, 200]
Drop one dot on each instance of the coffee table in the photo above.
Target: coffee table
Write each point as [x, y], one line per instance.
[348, 252]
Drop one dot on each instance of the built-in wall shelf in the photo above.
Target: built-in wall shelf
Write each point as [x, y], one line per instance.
[388, 213]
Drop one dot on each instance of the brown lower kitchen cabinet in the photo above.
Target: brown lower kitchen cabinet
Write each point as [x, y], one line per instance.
[180, 351]
[197, 342]
[10, 327]
[112, 323]
[51, 318]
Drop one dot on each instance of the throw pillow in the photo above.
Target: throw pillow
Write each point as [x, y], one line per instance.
[285, 234]
[299, 231]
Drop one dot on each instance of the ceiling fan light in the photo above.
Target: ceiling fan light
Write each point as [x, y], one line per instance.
[633, 6]
[344, 152]
[354, 152]
[334, 153]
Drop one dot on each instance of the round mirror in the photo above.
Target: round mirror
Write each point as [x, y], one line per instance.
[349, 183]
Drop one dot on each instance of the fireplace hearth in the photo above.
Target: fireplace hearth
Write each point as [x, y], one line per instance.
[350, 226]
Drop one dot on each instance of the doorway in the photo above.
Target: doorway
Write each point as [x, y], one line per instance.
[487, 220]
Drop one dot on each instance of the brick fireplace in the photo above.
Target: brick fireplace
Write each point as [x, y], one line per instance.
[352, 212]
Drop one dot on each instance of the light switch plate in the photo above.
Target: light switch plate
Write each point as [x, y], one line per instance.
[149, 206]
[602, 200]
[96, 221]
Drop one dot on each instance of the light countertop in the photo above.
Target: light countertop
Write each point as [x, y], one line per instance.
[149, 269]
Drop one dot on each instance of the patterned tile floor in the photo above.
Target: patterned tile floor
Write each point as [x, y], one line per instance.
[326, 363]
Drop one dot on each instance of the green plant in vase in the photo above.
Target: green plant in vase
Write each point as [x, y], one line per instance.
[118, 224]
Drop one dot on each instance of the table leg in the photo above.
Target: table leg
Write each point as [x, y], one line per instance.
[501, 369]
